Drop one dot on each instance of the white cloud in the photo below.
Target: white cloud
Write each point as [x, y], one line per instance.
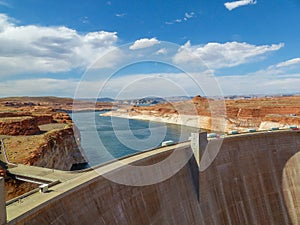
[285, 68]
[275, 79]
[33, 49]
[221, 55]
[144, 43]
[38, 87]
[186, 17]
[189, 15]
[288, 63]
[162, 51]
[5, 22]
[120, 14]
[258, 83]
[124, 87]
[142, 85]
[232, 5]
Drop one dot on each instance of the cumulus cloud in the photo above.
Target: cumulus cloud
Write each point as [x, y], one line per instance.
[144, 43]
[232, 5]
[221, 55]
[33, 49]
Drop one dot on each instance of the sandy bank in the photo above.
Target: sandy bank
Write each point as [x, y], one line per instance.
[203, 122]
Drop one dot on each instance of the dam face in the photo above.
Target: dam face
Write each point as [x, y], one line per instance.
[251, 182]
[254, 179]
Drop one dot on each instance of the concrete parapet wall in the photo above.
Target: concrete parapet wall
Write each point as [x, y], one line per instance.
[2, 202]
[101, 201]
[254, 179]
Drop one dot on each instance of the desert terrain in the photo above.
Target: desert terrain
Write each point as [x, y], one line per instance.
[39, 131]
[237, 114]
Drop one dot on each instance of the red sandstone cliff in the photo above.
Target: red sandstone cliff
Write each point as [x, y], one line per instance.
[25, 125]
[207, 113]
[36, 134]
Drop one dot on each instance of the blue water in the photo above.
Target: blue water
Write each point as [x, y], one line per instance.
[107, 138]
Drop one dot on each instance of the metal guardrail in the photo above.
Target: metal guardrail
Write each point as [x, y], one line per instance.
[20, 198]
[3, 150]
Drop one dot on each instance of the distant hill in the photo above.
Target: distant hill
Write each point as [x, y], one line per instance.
[153, 100]
[178, 98]
[105, 100]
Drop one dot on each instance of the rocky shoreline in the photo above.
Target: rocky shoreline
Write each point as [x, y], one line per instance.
[241, 115]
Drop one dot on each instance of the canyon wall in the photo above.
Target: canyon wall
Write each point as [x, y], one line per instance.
[254, 179]
[59, 151]
[214, 123]
[41, 139]
[45, 139]
[218, 115]
[25, 125]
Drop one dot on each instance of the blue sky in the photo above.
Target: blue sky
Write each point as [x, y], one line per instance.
[247, 46]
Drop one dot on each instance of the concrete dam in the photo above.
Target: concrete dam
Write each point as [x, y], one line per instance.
[241, 179]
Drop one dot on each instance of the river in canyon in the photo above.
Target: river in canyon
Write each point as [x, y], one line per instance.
[107, 138]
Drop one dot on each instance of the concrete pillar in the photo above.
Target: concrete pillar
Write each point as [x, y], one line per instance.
[2, 203]
[198, 145]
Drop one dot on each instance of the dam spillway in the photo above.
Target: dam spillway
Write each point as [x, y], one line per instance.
[251, 179]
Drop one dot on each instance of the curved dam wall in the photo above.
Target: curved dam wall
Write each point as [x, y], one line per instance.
[253, 179]
[93, 199]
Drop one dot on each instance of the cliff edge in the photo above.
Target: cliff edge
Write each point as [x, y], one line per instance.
[38, 135]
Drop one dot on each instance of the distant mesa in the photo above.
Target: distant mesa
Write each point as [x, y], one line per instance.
[198, 98]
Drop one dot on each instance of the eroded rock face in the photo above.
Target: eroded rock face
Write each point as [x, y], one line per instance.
[39, 136]
[43, 118]
[62, 118]
[25, 125]
[243, 114]
[59, 151]
[55, 149]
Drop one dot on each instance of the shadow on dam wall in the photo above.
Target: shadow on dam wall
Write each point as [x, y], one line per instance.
[254, 179]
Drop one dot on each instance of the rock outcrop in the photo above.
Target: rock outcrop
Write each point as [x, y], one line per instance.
[19, 126]
[60, 150]
[56, 149]
[37, 134]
